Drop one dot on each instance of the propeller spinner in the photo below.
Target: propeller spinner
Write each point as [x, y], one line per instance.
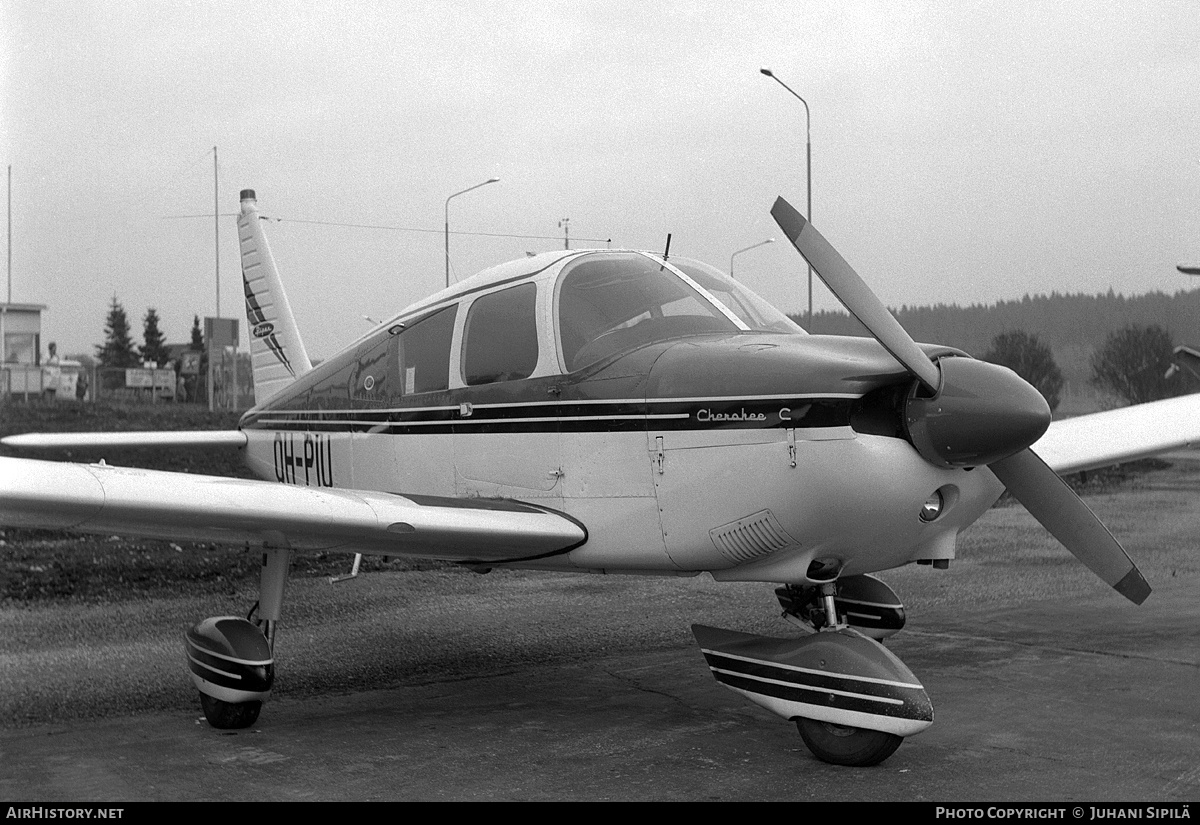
[963, 412]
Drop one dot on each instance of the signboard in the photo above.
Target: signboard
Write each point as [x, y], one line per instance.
[146, 378]
[189, 362]
[220, 333]
[221, 337]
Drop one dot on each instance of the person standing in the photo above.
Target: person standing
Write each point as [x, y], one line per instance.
[51, 374]
[81, 385]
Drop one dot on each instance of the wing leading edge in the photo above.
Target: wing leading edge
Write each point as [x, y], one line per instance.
[97, 498]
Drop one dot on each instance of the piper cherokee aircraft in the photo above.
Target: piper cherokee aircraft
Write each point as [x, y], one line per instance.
[620, 411]
[1185, 357]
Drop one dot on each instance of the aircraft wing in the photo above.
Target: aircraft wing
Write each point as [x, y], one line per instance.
[97, 498]
[1113, 436]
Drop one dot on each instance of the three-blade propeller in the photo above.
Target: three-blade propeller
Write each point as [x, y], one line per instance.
[965, 413]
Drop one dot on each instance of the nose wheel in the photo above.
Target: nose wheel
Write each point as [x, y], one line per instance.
[844, 745]
[229, 715]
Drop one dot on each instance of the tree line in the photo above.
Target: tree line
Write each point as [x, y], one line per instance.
[118, 349]
[1130, 340]
[1134, 364]
[1061, 321]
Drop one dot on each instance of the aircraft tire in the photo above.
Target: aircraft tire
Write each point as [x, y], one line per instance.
[842, 745]
[229, 715]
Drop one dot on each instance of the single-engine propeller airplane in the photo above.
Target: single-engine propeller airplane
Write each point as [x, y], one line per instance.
[621, 411]
[1185, 357]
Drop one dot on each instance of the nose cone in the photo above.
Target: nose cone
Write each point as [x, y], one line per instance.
[982, 413]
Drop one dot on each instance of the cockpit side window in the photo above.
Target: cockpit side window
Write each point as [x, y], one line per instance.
[420, 354]
[611, 302]
[500, 337]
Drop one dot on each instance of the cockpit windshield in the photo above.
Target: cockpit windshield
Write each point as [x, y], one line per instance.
[611, 302]
[753, 311]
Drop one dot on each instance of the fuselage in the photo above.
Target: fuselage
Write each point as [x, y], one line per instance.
[684, 422]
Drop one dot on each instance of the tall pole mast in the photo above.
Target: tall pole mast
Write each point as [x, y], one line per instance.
[808, 177]
[217, 230]
[455, 195]
[10, 233]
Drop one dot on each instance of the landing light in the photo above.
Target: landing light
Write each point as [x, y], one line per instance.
[932, 508]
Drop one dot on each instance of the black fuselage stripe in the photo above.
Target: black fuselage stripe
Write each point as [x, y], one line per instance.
[568, 417]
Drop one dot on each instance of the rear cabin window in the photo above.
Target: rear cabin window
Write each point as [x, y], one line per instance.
[501, 340]
[421, 354]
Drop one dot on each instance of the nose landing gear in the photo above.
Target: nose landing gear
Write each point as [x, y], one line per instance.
[852, 700]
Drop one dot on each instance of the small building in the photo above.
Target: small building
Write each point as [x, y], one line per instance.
[21, 349]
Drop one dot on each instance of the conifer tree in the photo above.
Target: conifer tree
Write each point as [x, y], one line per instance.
[155, 348]
[117, 350]
[197, 335]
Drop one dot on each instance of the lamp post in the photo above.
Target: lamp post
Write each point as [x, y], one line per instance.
[455, 195]
[808, 177]
[1188, 270]
[747, 249]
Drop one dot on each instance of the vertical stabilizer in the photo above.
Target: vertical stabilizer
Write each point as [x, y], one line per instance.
[276, 351]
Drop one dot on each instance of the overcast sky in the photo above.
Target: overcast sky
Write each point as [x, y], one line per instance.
[962, 152]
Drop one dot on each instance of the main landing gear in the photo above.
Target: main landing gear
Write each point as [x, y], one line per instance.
[231, 659]
[852, 700]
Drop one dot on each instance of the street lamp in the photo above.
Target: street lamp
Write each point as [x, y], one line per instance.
[455, 195]
[808, 140]
[747, 249]
[1188, 270]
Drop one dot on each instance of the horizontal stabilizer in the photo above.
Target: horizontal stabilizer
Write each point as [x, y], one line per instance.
[82, 441]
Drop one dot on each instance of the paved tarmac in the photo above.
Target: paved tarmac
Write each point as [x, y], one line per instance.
[1088, 701]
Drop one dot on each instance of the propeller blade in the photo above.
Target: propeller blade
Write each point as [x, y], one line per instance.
[1048, 498]
[854, 294]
